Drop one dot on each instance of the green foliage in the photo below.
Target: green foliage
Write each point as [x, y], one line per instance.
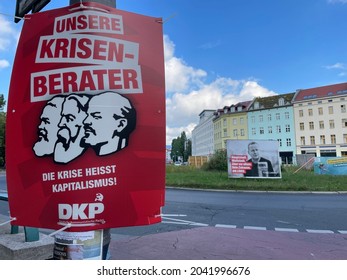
[292, 180]
[217, 162]
[181, 148]
[2, 102]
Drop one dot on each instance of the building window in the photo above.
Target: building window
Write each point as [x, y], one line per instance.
[343, 108]
[278, 116]
[224, 122]
[345, 138]
[242, 131]
[311, 125]
[333, 138]
[252, 119]
[278, 128]
[254, 131]
[279, 142]
[241, 120]
[269, 129]
[310, 112]
[302, 126]
[320, 111]
[225, 132]
[344, 122]
[331, 124]
[287, 128]
[302, 140]
[331, 110]
[281, 101]
[261, 130]
[286, 115]
[234, 121]
[260, 118]
[322, 139]
[312, 140]
[321, 124]
[235, 132]
[269, 117]
[301, 113]
[289, 142]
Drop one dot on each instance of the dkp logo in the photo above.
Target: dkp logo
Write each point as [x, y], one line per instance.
[82, 211]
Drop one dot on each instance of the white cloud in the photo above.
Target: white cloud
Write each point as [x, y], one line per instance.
[190, 94]
[4, 63]
[211, 45]
[337, 1]
[337, 65]
[178, 75]
[8, 34]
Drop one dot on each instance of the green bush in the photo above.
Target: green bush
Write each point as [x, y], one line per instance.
[217, 162]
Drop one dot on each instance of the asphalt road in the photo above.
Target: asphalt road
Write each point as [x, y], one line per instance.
[294, 212]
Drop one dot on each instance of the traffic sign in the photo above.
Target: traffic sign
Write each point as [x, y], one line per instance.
[40, 5]
[23, 7]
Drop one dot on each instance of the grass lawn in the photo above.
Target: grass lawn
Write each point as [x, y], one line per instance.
[303, 180]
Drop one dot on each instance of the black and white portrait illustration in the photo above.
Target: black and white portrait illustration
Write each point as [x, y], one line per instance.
[70, 125]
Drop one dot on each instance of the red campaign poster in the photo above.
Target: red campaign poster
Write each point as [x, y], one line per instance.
[85, 132]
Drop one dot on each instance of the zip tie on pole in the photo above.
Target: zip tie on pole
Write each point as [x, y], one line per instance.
[165, 20]
[8, 15]
[79, 224]
[81, 7]
[9, 221]
[170, 215]
[68, 225]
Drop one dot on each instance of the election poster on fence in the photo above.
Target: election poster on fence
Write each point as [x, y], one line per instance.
[330, 166]
[85, 134]
[253, 159]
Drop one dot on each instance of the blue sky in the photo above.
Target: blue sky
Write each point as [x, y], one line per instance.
[218, 53]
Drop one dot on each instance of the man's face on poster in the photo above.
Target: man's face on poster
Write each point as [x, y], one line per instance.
[253, 150]
[102, 123]
[71, 123]
[48, 128]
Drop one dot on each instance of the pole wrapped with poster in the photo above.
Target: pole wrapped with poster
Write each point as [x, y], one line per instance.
[85, 131]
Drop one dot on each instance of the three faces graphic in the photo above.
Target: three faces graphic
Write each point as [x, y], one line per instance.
[69, 125]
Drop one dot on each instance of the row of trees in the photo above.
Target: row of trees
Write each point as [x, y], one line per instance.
[181, 148]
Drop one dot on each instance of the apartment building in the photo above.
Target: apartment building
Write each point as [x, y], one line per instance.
[272, 118]
[202, 135]
[230, 123]
[321, 120]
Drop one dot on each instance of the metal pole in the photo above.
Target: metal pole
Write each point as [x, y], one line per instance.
[111, 3]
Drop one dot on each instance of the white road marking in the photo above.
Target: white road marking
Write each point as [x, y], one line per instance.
[319, 231]
[167, 220]
[183, 222]
[225, 226]
[255, 228]
[287, 229]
